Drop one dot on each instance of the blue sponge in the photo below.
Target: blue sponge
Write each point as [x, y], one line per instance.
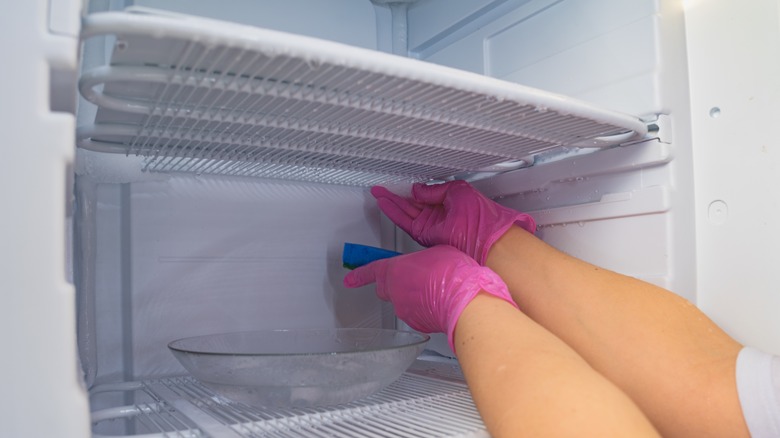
[356, 255]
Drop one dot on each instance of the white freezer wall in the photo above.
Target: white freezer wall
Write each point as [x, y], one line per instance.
[350, 22]
[188, 256]
[602, 51]
[183, 256]
[696, 213]
[631, 208]
[734, 62]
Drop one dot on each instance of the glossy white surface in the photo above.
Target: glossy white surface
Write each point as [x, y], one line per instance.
[734, 57]
[39, 373]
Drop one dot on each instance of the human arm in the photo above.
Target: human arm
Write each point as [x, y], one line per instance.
[660, 349]
[525, 381]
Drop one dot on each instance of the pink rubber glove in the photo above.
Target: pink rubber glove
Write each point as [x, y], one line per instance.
[430, 288]
[452, 213]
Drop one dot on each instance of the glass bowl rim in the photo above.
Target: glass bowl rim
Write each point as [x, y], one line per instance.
[422, 338]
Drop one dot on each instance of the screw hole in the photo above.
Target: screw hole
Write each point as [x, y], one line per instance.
[714, 112]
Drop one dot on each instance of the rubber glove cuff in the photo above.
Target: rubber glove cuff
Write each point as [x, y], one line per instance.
[522, 220]
[481, 279]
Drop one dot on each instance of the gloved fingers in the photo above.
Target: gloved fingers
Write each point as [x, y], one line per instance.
[361, 276]
[424, 221]
[398, 211]
[373, 272]
[433, 194]
[407, 206]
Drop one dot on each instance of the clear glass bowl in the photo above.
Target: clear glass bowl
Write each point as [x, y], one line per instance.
[299, 368]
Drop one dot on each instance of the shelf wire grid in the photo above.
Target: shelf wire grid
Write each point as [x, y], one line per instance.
[414, 406]
[202, 96]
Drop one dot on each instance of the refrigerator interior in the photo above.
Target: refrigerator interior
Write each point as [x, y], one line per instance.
[189, 245]
[163, 244]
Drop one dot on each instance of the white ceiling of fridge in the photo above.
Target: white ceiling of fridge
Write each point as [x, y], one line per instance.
[196, 95]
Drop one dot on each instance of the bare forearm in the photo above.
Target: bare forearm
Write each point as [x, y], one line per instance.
[526, 382]
[656, 346]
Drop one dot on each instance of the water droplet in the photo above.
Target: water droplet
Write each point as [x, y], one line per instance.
[581, 223]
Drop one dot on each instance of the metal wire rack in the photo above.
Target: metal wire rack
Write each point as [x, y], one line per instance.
[422, 403]
[203, 96]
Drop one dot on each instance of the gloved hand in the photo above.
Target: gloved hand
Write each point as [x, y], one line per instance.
[452, 213]
[430, 288]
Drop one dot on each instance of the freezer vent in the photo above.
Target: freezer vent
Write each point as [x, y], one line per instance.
[414, 406]
[203, 96]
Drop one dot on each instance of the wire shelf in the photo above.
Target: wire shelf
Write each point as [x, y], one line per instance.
[197, 95]
[419, 404]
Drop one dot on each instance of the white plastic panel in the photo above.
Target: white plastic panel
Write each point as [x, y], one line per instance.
[191, 256]
[314, 18]
[734, 61]
[39, 372]
[628, 244]
[104, 333]
[606, 209]
[439, 20]
[435, 24]
[622, 54]
[602, 51]
[203, 96]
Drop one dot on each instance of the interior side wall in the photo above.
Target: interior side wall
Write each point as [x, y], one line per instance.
[175, 257]
[629, 209]
[734, 52]
[191, 256]
[350, 22]
[601, 51]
